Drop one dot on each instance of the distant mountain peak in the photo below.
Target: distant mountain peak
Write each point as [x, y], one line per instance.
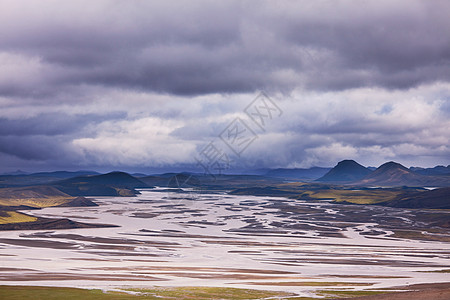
[392, 164]
[391, 168]
[347, 161]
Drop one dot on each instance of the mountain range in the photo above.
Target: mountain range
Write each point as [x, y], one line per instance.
[298, 173]
[389, 174]
[438, 170]
[68, 188]
[395, 174]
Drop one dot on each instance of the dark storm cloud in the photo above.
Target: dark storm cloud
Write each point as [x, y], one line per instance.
[199, 47]
[51, 124]
[32, 147]
[45, 124]
[46, 136]
[393, 45]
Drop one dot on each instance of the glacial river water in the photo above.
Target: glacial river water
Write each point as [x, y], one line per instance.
[221, 240]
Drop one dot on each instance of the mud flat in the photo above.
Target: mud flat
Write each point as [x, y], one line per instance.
[230, 241]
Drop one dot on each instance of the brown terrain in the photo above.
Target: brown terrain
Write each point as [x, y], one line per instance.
[37, 197]
[436, 291]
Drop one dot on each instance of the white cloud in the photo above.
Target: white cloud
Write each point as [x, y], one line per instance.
[141, 142]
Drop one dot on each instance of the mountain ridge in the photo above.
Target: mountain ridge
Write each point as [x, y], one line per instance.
[394, 174]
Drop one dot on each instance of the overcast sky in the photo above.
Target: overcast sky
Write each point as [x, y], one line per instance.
[147, 85]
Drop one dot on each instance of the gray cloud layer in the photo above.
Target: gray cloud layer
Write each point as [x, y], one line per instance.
[204, 47]
[81, 77]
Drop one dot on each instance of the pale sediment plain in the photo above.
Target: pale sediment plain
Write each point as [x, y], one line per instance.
[216, 239]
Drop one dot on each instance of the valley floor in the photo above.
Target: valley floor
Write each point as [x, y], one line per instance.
[169, 239]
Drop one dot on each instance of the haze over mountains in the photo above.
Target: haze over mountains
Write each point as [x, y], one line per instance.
[298, 173]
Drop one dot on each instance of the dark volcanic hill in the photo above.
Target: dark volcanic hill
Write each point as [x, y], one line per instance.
[121, 179]
[395, 174]
[345, 171]
[110, 184]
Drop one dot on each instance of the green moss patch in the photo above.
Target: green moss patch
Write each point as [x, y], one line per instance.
[53, 293]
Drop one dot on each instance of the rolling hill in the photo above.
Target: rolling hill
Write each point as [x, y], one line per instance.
[37, 197]
[12, 200]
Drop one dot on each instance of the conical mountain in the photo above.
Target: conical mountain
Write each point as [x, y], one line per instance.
[345, 171]
[395, 174]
